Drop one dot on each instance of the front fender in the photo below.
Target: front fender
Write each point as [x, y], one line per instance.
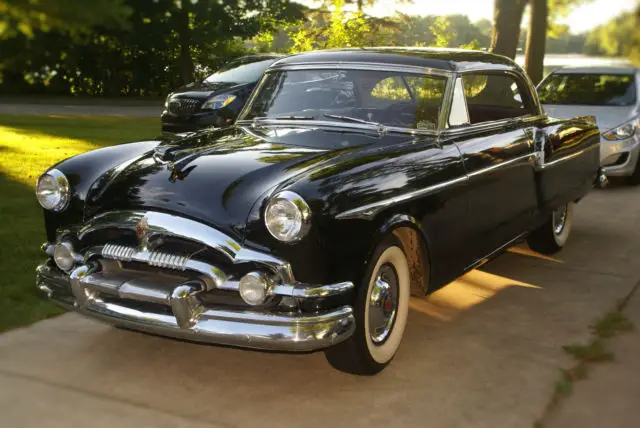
[83, 171]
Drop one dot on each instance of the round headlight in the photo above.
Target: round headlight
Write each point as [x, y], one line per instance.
[254, 288]
[52, 190]
[287, 217]
[63, 256]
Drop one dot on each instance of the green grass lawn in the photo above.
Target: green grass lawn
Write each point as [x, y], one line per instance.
[28, 146]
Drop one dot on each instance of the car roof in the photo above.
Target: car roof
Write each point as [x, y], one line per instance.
[597, 70]
[452, 60]
[260, 56]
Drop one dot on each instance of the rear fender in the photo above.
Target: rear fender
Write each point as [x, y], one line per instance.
[567, 160]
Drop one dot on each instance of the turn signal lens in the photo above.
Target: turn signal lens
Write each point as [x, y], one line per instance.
[63, 256]
[254, 288]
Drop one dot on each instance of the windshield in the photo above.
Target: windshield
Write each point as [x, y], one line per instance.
[381, 97]
[588, 89]
[243, 70]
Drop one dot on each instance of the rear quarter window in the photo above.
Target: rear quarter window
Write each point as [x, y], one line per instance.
[493, 97]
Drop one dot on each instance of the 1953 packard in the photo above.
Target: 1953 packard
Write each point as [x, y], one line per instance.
[351, 180]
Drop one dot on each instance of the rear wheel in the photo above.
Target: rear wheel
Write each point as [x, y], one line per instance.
[380, 310]
[554, 233]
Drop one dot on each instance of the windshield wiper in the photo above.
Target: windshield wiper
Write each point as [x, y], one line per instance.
[382, 130]
[289, 117]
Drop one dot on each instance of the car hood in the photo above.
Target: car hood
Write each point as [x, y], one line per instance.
[205, 90]
[607, 117]
[216, 177]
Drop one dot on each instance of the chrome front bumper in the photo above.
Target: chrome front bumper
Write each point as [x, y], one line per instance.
[248, 329]
[157, 289]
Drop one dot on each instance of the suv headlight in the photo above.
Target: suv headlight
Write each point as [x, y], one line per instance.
[218, 102]
[52, 190]
[623, 131]
[287, 217]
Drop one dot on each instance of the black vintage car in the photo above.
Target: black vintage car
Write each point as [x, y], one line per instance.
[352, 179]
[216, 100]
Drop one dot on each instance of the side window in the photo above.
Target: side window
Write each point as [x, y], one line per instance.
[492, 97]
[408, 101]
[388, 91]
[428, 92]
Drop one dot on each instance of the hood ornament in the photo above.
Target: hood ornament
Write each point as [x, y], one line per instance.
[142, 233]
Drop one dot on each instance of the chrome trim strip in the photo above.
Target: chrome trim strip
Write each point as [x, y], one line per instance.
[369, 66]
[529, 157]
[488, 126]
[573, 155]
[301, 291]
[370, 210]
[336, 125]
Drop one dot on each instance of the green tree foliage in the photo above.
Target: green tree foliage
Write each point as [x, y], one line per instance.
[29, 16]
[336, 29]
[615, 38]
[444, 31]
[164, 44]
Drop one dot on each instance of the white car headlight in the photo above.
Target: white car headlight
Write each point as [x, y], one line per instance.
[623, 131]
[52, 190]
[218, 102]
[287, 217]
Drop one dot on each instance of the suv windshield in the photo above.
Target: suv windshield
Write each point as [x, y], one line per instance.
[588, 89]
[243, 70]
[389, 98]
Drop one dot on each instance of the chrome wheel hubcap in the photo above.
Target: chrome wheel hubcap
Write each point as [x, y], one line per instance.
[559, 219]
[383, 304]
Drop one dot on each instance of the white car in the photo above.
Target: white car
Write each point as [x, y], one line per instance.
[612, 95]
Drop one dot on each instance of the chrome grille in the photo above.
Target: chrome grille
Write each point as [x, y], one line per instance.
[184, 106]
[152, 258]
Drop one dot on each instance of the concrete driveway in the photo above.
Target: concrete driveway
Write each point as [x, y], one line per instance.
[483, 352]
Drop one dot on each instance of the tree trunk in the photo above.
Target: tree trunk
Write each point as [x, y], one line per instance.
[184, 40]
[536, 40]
[507, 16]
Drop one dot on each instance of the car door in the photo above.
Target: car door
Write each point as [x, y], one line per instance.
[496, 143]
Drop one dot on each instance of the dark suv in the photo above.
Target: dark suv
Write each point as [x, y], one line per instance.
[217, 100]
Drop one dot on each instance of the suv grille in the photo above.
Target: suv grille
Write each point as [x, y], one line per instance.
[184, 106]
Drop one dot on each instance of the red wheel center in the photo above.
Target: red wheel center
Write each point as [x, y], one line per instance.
[387, 305]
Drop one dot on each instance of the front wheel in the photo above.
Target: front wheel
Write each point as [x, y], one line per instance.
[554, 233]
[380, 310]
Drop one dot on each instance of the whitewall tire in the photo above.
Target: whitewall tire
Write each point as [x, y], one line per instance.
[554, 233]
[381, 311]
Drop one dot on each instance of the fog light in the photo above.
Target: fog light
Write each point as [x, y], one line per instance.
[63, 256]
[254, 288]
